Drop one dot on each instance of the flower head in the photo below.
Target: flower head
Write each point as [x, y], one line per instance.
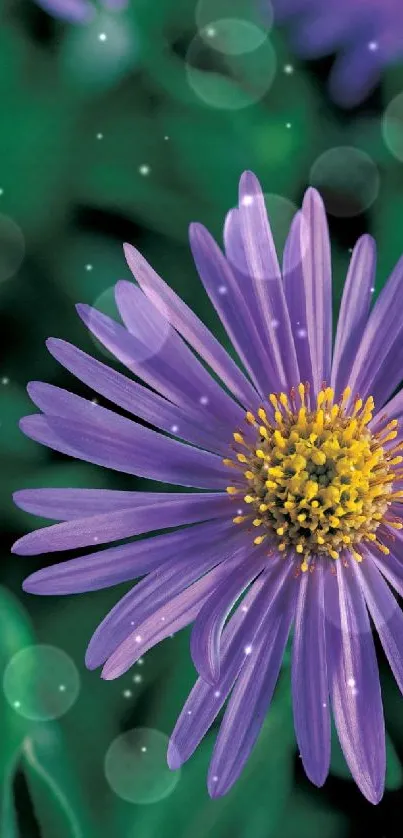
[298, 458]
[367, 34]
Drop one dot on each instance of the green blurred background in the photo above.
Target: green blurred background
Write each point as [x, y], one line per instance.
[129, 138]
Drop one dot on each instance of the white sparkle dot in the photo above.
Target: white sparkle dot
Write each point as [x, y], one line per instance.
[62, 688]
[144, 170]
[373, 46]
[203, 400]
[239, 512]
[247, 200]
[127, 693]
[162, 619]
[94, 401]
[143, 750]
[5, 380]
[350, 250]
[189, 712]
[175, 429]
[217, 694]
[324, 704]
[372, 290]
[211, 32]
[302, 333]
[137, 679]
[222, 289]
[89, 267]
[102, 36]
[132, 622]
[1, 191]
[16, 704]
[354, 691]
[244, 608]
[215, 778]
[138, 637]
[100, 136]
[96, 539]
[140, 662]
[288, 69]
[288, 124]
[275, 324]
[166, 137]
[351, 682]
[248, 650]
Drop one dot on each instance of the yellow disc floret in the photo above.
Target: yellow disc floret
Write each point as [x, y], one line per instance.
[317, 479]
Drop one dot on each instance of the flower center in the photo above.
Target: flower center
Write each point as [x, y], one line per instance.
[317, 479]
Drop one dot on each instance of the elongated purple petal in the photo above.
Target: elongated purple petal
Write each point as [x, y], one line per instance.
[204, 701]
[114, 565]
[169, 366]
[235, 253]
[69, 504]
[391, 568]
[377, 369]
[190, 327]
[207, 548]
[73, 11]
[354, 682]
[123, 523]
[309, 678]
[173, 616]
[294, 290]
[386, 614]
[252, 695]
[265, 271]
[206, 635]
[98, 435]
[317, 274]
[230, 304]
[139, 400]
[354, 310]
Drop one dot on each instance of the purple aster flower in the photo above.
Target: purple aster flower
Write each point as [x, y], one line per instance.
[78, 11]
[294, 518]
[367, 34]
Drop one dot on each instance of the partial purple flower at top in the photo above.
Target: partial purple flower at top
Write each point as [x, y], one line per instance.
[78, 11]
[366, 34]
[294, 516]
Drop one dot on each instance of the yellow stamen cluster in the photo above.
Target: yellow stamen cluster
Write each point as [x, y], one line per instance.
[317, 480]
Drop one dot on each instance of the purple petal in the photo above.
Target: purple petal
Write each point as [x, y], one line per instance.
[293, 280]
[317, 274]
[98, 435]
[230, 304]
[309, 678]
[377, 369]
[386, 614]
[252, 694]
[139, 400]
[206, 548]
[265, 271]
[204, 701]
[168, 366]
[391, 567]
[354, 682]
[124, 523]
[69, 504]
[190, 327]
[206, 635]
[74, 11]
[110, 567]
[170, 618]
[235, 253]
[354, 310]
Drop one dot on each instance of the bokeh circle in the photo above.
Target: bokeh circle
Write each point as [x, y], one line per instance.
[392, 126]
[347, 179]
[41, 682]
[258, 20]
[228, 81]
[12, 247]
[136, 766]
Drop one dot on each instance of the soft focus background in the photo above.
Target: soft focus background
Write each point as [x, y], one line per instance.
[126, 126]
